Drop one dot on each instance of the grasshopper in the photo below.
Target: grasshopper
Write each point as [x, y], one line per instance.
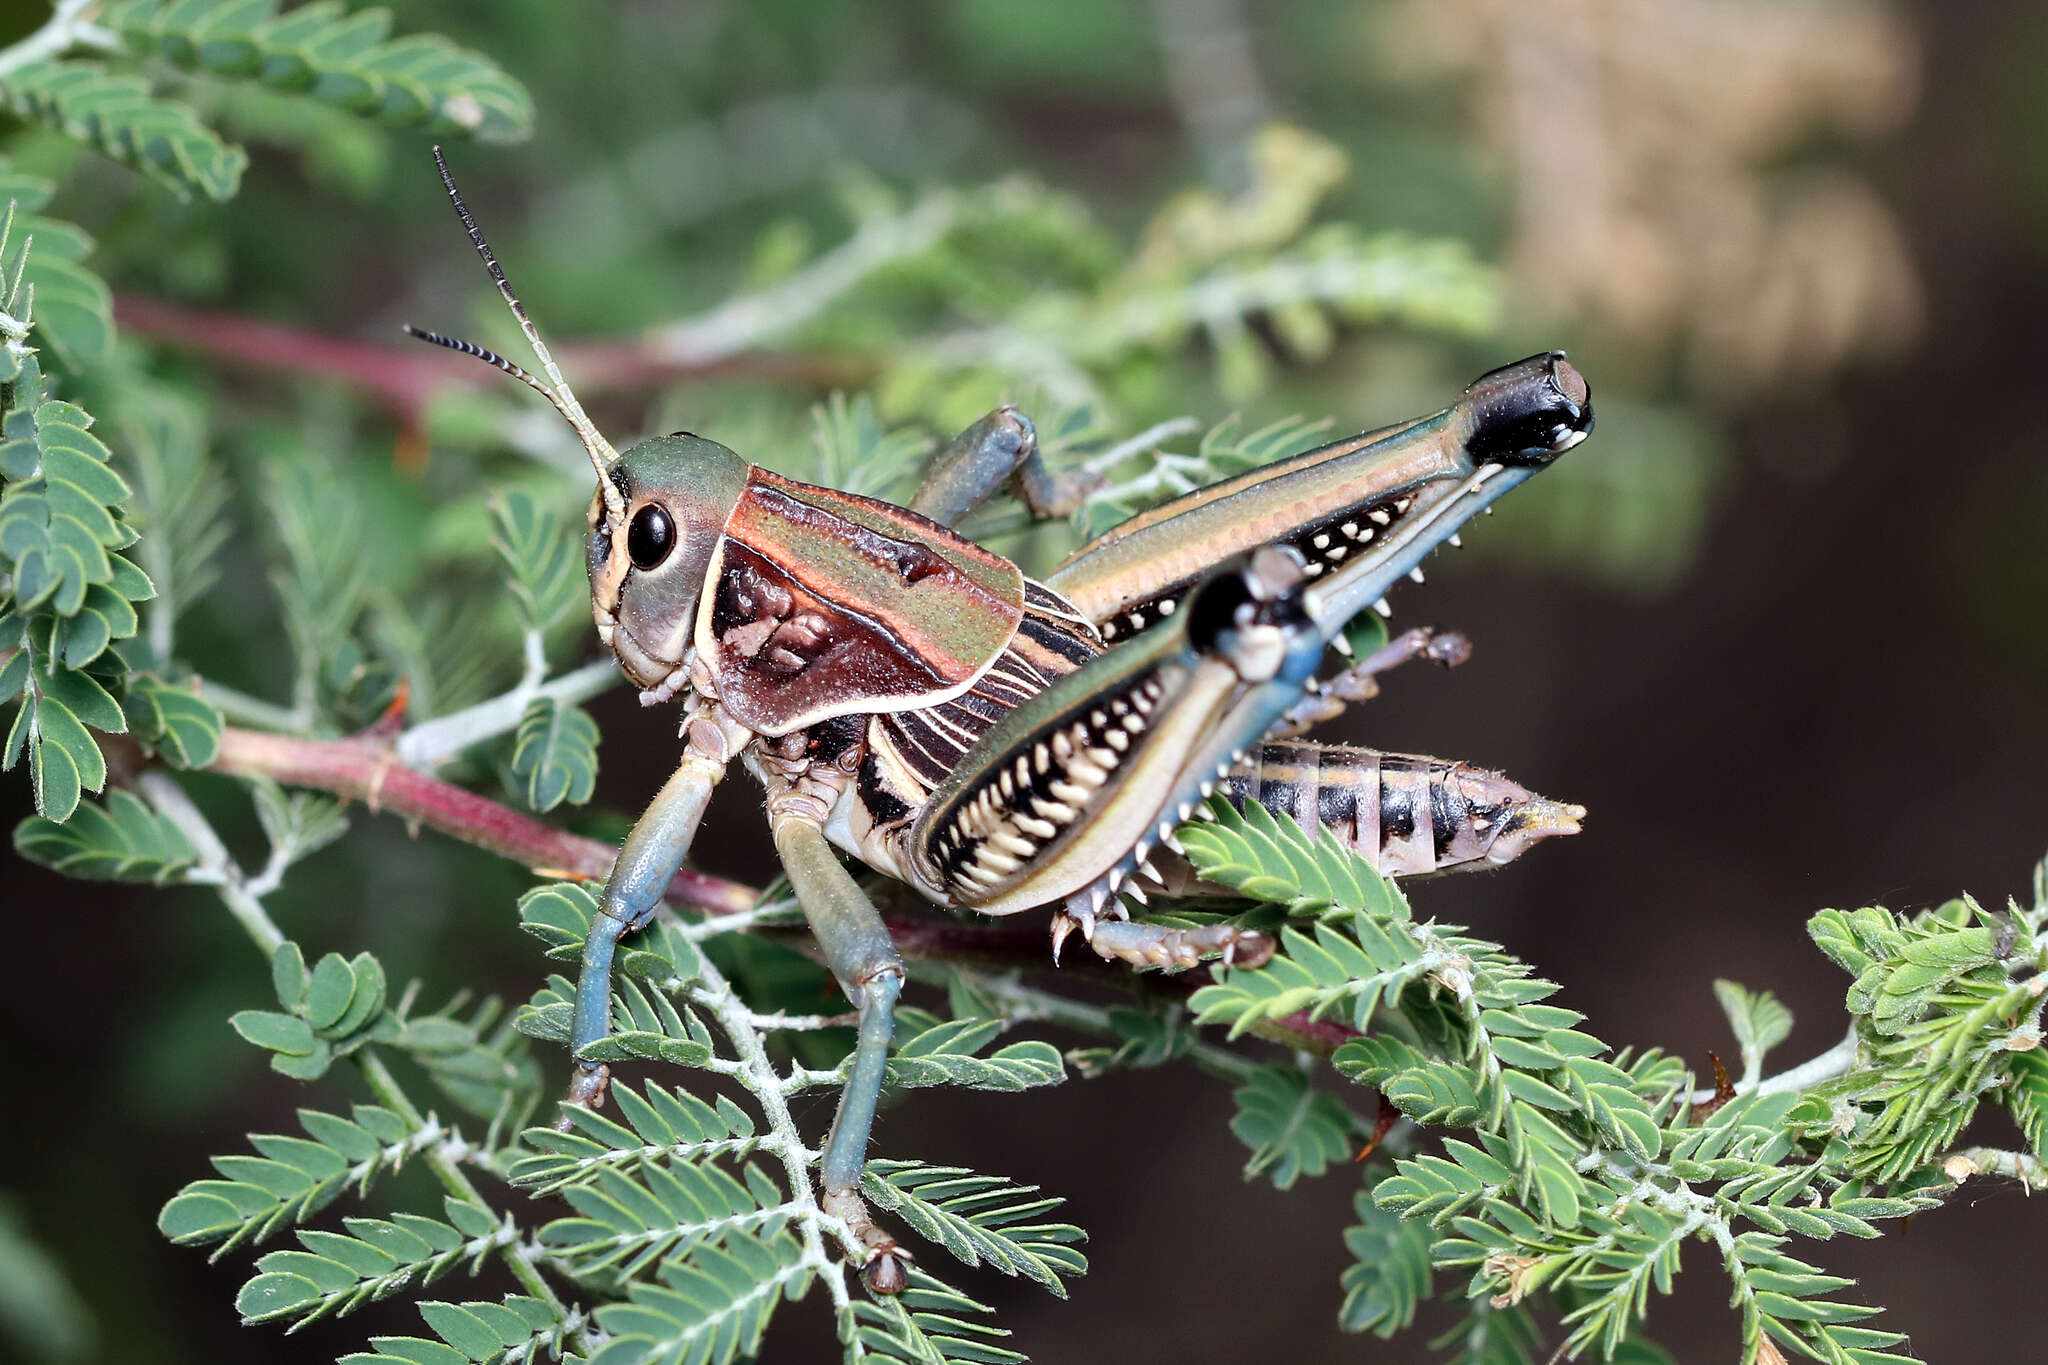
[1002, 744]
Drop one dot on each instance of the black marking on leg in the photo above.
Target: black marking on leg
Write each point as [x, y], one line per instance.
[1324, 545]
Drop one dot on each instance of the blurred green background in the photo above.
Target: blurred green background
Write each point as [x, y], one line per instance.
[1780, 625]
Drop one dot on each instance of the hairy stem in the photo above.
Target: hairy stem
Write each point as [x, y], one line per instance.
[1836, 1061]
[366, 768]
[453, 1178]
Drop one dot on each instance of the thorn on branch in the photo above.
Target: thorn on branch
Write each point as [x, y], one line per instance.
[1724, 1091]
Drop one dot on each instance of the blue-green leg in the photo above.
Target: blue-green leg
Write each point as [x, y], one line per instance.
[1000, 448]
[653, 851]
[857, 948]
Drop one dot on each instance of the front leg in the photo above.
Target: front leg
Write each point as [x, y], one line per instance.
[653, 851]
[857, 948]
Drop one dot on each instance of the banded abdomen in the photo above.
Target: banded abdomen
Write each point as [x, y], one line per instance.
[1407, 814]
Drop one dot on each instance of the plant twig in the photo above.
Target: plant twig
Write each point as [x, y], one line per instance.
[748, 321]
[454, 1179]
[214, 866]
[1836, 1061]
[434, 741]
[367, 769]
[68, 26]
[402, 379]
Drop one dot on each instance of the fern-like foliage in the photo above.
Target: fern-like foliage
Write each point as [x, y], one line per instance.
[335, 56]
[1585, 1176]
[73, 307]
[554, 753]
[980, 1219]
[71, 593]
[1945, 1003]
[695, 1217]
[116, 113]
[121, 839]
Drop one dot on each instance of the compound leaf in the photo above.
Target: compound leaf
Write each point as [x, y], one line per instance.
[121, 839]
[555, 753]
[117, 114]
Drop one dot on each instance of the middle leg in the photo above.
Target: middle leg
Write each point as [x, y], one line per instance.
[1000, 448]
[861, 956]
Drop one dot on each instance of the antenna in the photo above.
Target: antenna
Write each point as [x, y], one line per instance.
[556, 390]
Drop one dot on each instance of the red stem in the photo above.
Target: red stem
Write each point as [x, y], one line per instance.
[402, 376]
[365, 768]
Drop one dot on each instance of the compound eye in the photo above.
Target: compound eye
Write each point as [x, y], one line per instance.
[651, 536]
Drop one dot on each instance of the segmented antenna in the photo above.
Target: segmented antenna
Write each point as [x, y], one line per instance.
[556, 390]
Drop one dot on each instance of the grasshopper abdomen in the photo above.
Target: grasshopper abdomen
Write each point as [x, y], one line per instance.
[1407, 814]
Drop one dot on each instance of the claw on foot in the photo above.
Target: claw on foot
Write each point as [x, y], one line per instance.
[884, 1263]
[1075, 915]
[887, 1272]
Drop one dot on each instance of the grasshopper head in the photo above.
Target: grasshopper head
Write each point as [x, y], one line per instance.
[649, 557]
[656, 516]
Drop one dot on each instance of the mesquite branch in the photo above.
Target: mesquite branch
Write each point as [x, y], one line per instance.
[365, 768]
[403, 378]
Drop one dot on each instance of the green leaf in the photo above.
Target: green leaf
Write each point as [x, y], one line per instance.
[58, 526]
[660, 1124]
[1508, 1336]
[278, 1032]
[1389, 1274]
[1292, 1128]
[298, 824]
[944, 1055]
[979, 1218]
[555, 753]
[182, 726]
[64, 759]
[711, 1308]
[462, 1329]
[122, 839]
[1759, 1022]
[334, 56]
[1275, 860]
[272, 1296]
[288, 974]
[335, 1272]
[118, 115]
[542, 555]
[2027, 1098]
[1354, 965]
[328, 991]
[290, 1181]
[930, 1323]
[74, 312]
